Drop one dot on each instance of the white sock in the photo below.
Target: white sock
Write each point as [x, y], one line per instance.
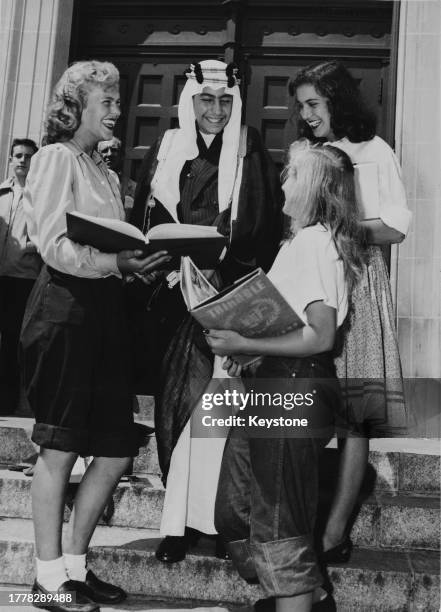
[76, 566]
[51, 574]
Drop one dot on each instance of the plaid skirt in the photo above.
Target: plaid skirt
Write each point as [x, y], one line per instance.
[367, 359]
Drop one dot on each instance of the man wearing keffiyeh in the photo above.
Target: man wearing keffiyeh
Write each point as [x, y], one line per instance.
[210, 171]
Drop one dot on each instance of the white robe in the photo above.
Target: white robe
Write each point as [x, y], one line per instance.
[192, 479]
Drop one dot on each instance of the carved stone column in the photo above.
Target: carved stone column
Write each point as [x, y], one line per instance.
[34, 50]
[417, 273]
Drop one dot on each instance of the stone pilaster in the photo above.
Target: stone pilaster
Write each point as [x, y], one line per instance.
[34, 50]
[417, 272]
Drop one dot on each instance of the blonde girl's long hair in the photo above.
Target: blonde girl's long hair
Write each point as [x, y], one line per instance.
[322, 191]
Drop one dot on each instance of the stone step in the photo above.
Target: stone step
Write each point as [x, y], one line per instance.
[398, 521]
[384, 521]
[145, 407]
[134, 504]
[16, 445]
[389, 471]
[372, 580]
[133, 603]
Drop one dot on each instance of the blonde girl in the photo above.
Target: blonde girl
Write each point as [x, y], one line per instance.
[267, 495]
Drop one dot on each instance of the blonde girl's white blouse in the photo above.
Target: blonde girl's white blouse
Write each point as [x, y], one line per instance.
[63, 178]
[308, 269]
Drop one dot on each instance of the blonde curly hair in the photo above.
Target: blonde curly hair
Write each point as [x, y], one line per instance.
[70, 97]
[323, 191]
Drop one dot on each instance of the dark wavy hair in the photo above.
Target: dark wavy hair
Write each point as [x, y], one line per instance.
[70, 97]
[349, 117]
[25, 142]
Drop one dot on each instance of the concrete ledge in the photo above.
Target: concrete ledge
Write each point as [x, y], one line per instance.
[384, 521]
[372, 580]
[15, 439]
[146, 408]
[391, 472]
[16, 445]
[388, 581]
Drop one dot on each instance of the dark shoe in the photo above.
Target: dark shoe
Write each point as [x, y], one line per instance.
[338, 554]
[265, 605]
[325, 605]
[221, 551]
[102, 592]
[81, 602]
[173, 549]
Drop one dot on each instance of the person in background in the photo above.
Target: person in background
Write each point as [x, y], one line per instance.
[368, 361]
[74, 340]
[267, 496]
[210, 171]
[19, 267]
[111, 152]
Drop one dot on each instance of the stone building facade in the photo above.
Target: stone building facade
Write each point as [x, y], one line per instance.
[393, 47]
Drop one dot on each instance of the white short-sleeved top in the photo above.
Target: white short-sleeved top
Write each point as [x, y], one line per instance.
[308, 269]
[63, 178]
[393, 205]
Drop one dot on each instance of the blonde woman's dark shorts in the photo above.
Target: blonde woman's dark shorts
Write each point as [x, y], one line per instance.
[76, 366]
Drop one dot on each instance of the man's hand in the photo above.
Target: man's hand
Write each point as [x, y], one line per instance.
[131, 262]
[225, 342]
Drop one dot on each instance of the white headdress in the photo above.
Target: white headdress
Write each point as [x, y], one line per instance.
[165, 186]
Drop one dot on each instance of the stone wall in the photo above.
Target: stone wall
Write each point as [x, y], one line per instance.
[418, 271]
[34, 49]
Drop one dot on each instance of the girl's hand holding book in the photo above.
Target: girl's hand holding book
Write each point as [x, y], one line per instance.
[225, 342]
[232, 367]
[130, 262]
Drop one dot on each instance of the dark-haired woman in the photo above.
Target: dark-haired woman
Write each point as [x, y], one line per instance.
[74, 338]
[331, 110]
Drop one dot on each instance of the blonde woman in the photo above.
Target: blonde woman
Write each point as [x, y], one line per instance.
[74, 338]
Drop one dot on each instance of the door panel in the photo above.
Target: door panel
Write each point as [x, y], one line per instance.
[269, 107]
[152, 107]
[152, 44]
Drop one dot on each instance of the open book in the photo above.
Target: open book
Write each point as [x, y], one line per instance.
[367, 189]
[202, 242]
[251, 306]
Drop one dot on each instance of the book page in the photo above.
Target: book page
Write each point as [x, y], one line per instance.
[114, 224]
[195, 287]
[182, 230]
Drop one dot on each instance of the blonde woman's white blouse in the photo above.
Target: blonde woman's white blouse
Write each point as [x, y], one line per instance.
[393, 205]
[63, 178]
[308, 269]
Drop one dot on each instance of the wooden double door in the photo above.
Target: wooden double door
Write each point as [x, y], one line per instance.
[153, 42]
